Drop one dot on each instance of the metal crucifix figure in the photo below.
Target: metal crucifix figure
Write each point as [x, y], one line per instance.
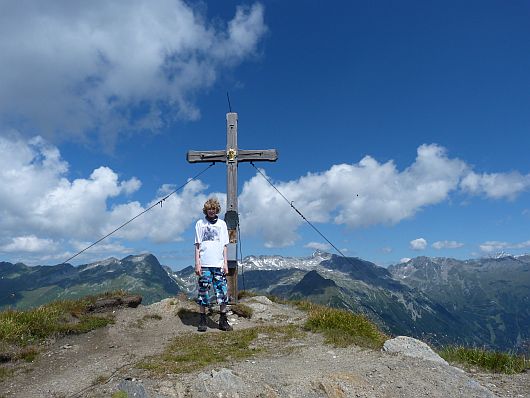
[232, 156]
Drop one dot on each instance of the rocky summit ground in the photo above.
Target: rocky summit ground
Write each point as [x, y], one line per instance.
[103, 362]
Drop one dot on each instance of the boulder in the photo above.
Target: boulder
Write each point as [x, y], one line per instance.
[411, 347]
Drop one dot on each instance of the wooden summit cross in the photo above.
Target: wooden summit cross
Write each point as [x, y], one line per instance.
[232, 156]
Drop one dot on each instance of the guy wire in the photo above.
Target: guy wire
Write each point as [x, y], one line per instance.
[241, 256]
[229, 106]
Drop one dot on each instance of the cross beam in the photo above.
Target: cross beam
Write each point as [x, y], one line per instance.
[232, 156]
[269, 155]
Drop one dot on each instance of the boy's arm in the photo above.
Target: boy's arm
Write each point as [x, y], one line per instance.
[225, 259]
[198, 269]
[226, 240]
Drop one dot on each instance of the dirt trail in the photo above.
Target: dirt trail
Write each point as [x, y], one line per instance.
[99, 363]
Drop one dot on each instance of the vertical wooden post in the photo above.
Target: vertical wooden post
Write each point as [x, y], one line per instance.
[231, 215]
[231, 161]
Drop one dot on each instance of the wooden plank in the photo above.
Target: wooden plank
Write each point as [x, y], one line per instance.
[231, 131]
[268, 155]
[206, 156]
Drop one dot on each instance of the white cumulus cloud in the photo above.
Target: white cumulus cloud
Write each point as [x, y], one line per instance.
[447, 244]
[29, 244]
[418, 244]
[318, 246]
[497, 246]
[73, 67]
[496, 185]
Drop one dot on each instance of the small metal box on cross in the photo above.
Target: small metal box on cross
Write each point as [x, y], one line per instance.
[232, 156]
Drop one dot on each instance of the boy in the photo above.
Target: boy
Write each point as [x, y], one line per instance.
[211, 266]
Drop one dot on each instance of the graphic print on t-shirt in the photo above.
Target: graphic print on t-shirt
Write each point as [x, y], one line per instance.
[210, 234]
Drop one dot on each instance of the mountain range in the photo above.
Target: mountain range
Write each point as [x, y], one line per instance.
[481, 302]
[23, 287]
[491, 295]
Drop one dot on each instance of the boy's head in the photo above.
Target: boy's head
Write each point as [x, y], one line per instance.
[211, 204]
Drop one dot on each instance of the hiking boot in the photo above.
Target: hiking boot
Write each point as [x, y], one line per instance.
[223, 323]
[202, 324]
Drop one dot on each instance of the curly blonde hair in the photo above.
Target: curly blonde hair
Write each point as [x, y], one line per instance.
[211, 203]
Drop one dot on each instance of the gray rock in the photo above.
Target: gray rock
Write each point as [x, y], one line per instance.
[412, 348]
[262, 300]
[220, 384]
[133, 388]
[263, 308]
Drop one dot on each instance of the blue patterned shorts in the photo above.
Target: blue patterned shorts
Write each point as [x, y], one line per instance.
[216, 277]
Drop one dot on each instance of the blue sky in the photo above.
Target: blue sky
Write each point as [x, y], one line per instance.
[402, 127]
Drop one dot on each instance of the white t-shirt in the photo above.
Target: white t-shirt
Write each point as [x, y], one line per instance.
[212, 239]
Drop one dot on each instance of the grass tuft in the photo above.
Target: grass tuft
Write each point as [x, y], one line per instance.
[60, 317]
[188, 353]
[492, 361]
[242, 310]
[101, 379]
[342, 328]
[5, 373]
[28, 354]
[157, 317]
[245, 294]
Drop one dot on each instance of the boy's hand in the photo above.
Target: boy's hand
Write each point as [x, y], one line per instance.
[225, 268]
[198, 269]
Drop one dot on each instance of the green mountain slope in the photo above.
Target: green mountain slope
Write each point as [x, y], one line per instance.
[24, 287]
[491, 296]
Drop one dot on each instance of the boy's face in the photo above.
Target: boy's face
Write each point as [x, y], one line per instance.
[211, 212]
